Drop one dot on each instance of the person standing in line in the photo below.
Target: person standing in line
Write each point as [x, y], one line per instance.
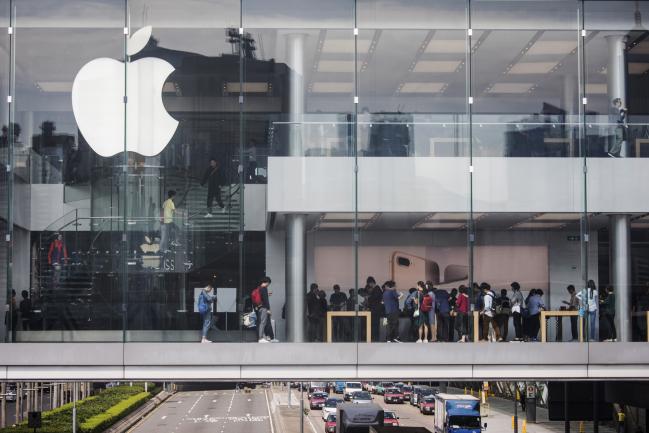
[589, 304]
[313, 312]
[572, 304]
[488, 313]
[375, 305]
[452, 300]
[322, 299]
[462, 314]
[25, 310]
[214, 179]
[205, 300]
[409, 308]
[338, 302]
[261, 302]
[479, 305]
[166, 229]
[443, 308]
[423, 303]
[535, 306]
[517, 310]
[503, 310]
[432, 314]
[608, 313]
[391, 301]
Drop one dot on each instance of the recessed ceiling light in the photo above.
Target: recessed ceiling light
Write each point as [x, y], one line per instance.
[336, 225]
[532, 67]
[453, 46]
[55, 86]
[638, 68]
[436, 66]
[336, 66]
[345, 46]
[596, 89]
[452, 216]
[332, 87]
[533, 225]
[440, 225]
[510, 88]
[552, 47]
[557, 216]
[248, 87]
[347, 216]
[428, 87]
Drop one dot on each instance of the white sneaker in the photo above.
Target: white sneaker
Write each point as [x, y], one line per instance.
[263, 340]
[274, 340]
[205, 340]
[208, 215]
[425, 341]
[420, 341]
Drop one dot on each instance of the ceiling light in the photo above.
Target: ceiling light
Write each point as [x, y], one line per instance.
[454, 46]
[440, 225]
[533, 225]
[347, 216]
[510, 88]
[436, 66]
[345, 46]
[452, 216]
[336, 225]
[532, 67]
[596, 89]
[638, 68]
[336, 66]
[332, 87]
[248, 87]
[557, 216]
[552, 47]
[55, 86]
[427, 87]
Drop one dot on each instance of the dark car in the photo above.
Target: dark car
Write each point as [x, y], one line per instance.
[393, 395]
[427, 405]
[418, 392]
[406, 390]
[317, 400]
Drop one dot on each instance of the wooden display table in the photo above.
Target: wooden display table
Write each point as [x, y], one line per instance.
[561, 313]
[366, 314]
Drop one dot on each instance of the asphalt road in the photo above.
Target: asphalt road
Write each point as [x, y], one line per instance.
[210, 411]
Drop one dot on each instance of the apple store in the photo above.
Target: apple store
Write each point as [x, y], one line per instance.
[152, 147]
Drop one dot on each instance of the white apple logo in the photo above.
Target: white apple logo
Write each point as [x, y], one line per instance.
[98, 102]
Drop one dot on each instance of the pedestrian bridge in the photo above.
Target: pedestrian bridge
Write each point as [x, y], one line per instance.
[286, 361]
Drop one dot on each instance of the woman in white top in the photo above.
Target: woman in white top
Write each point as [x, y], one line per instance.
[589, 302]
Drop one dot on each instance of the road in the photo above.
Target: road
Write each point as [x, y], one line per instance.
[224, 411]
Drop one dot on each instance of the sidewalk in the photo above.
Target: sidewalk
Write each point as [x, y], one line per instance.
[286, 418]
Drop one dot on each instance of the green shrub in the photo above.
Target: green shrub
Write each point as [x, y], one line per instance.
[103, 420]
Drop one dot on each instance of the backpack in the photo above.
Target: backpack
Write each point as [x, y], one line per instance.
[427, 304]
[255, 297]
[503, 306]
[202, 304]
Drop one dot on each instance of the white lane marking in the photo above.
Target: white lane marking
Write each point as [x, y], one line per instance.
[194, 405]
[270, 419]
[164, 417]
[308, 418]
[231, 400]
[213, 401]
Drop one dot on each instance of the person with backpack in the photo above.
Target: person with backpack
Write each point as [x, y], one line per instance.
[205, 300]
[503, 310]
[517, 304]
[488, 313]
[443, 309]
[261, 304]
[424, 304]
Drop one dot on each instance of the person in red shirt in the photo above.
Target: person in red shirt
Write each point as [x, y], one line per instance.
[462, 313]
[58, 252]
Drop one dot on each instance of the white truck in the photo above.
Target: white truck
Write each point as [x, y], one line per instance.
[455, 413]
[350, 388]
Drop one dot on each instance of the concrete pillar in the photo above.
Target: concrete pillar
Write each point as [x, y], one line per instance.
[3, 406]
[295, 251]
[620, 254]
[615, 72]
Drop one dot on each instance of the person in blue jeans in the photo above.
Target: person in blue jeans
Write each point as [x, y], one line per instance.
[205, 300]
[391, 303]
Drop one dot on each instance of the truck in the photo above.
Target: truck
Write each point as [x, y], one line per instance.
[339, 386]
[457, 413]
[358, 418]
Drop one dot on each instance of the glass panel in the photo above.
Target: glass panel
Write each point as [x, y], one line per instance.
[527, 188]
[298, 93]
[413, 167]
[6, 186]
[62, 101]
[617, 127]
[184, 200]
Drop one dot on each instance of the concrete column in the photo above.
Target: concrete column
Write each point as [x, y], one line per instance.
[620, 254]
[615, 72]
[295, 250]
[295, 262]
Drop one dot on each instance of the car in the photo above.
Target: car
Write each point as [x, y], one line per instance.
[10, 395]
[361, 397]
[390, 418]
[427, 405]
[406, 390]
[330, 423]
[330, 406]
[350, 388]
[419, 391]
[381, 387]
[393, 395]
[318, 399]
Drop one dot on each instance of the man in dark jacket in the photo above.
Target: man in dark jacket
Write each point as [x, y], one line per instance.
[443, 308]
[375, 305]
[213, 177]
[313, 312]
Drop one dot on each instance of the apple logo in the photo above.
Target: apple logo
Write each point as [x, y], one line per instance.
[98, 102]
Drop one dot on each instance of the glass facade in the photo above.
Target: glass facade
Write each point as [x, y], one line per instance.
[341, 148]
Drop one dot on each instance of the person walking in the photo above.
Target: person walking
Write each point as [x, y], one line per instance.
[424, 304]
[205, 300]
[213, 177]
[261, 302]
[167, 226]
[25, 310]
[313, 313]
[589, 304]
[391, 302]
[572, 304]
[58, 253]
[618, 126]
[462, 314]
[608, 313]
[535, 306]
[488, 313]
[517, 303]
[503, 310]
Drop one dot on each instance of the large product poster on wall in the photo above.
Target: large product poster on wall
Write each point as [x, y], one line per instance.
[446, 267]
